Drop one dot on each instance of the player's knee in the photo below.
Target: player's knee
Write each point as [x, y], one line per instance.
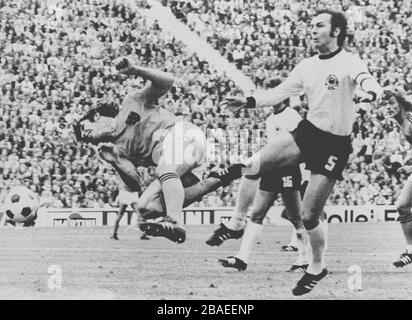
[142, 207]
[310, 220]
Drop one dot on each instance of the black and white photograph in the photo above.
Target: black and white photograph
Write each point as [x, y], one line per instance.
[205, 154]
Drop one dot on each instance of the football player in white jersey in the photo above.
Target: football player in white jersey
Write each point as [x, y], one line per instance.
[287, 183]
[400, 108]
[125, 198]
[322, 141]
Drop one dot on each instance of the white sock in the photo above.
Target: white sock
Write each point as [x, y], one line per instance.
[252, 231]
[325, 226]
[302, 243]
[237, 222]
[409, 248]
[317, 241]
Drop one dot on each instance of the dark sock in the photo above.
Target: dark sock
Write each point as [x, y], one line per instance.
[197, 191]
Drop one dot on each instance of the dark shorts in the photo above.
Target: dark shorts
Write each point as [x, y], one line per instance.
[323, 152]
[303, 187]
[289, 179]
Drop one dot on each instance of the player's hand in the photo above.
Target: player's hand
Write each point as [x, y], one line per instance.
[232, 103]
[363, 97]
[405, 170]
[123, 65]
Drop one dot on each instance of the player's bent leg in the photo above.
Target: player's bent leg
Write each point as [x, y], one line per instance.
[281, 153]
[404, 206]
[195, 189]
[261, 204]
[150, 203]
[278, 154]
[292, 246]
[150, 206]
[293, 205]
[316, 194]
[172, 188]
[120, 213]
[173, 194]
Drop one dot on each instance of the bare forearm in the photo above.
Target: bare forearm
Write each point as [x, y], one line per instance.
[268, 98]
[271, 97]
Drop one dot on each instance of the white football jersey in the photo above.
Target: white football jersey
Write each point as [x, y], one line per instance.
[287, 120]
[329, 83]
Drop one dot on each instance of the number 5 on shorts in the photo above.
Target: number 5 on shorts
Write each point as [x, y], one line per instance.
[330, 165]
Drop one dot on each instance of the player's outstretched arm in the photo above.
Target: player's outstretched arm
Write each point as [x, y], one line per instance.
[293, 85]
[160, 82]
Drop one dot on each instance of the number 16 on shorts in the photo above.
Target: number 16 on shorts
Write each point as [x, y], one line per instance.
[287, 182]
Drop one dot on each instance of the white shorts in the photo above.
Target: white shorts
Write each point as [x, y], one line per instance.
[127, 197]
[185, 143]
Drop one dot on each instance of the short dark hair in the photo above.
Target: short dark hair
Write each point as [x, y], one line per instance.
[337, 19]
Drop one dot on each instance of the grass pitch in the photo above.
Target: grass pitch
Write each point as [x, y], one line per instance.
[95, 267]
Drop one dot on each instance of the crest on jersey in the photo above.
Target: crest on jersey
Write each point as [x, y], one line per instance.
[332, 82]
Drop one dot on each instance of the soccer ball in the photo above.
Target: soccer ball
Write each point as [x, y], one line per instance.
[21, 204]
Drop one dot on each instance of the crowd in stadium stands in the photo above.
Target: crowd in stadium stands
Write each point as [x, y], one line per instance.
[57, 60]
